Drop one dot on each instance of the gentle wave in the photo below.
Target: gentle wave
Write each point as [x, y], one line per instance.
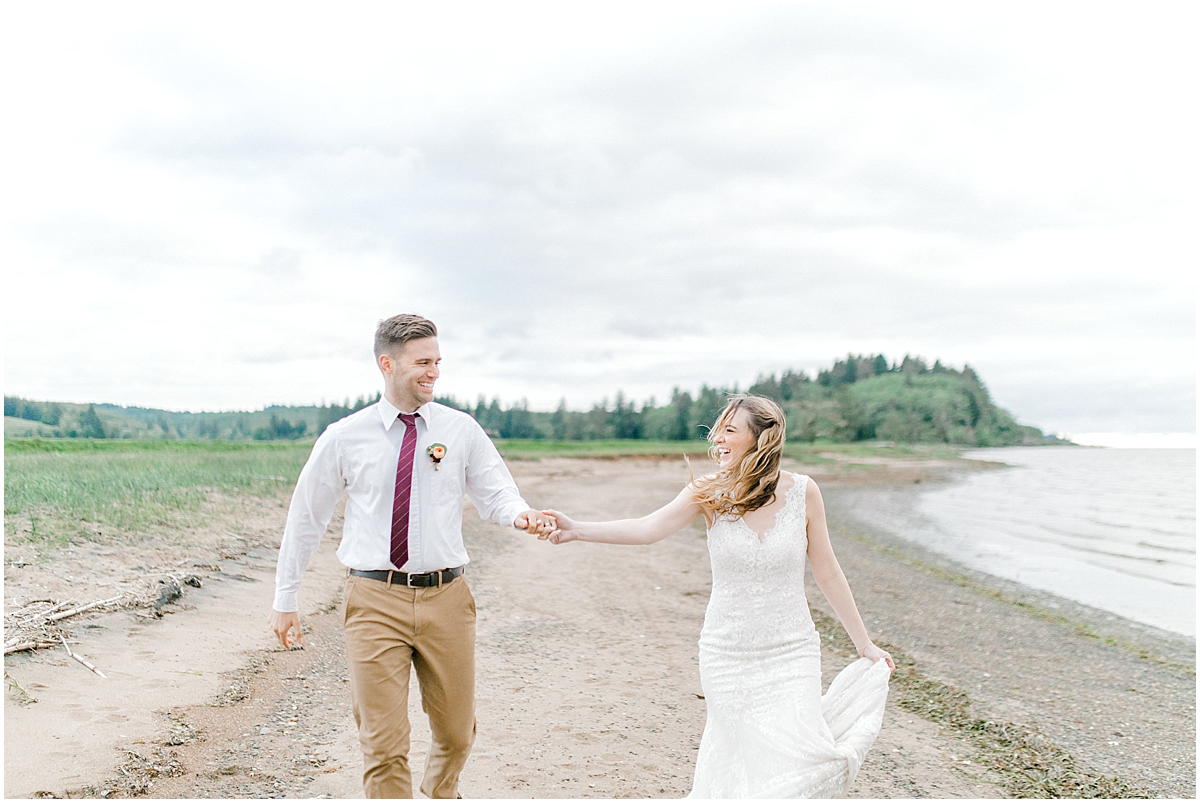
[1114, 529]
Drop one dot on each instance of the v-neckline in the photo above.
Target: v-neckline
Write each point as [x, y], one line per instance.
[787, 500]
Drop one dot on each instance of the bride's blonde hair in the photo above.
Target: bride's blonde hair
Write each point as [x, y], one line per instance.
[750, 483]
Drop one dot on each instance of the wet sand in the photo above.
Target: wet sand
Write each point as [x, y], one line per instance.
[588, 685]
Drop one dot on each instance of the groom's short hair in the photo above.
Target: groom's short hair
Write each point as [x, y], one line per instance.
[399, 329]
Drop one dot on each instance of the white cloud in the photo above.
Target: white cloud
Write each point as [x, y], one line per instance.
[589, 201]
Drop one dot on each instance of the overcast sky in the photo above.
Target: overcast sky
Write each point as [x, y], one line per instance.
[212, 208]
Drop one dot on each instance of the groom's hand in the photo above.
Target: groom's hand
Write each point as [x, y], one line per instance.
[283, 624]
[535, 523]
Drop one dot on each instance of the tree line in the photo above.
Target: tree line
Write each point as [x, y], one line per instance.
[107, 421]
[43, 412]
[860, 397]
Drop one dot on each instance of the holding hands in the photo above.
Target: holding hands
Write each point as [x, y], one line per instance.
[536, 523]
[566, 529]
[549, 525]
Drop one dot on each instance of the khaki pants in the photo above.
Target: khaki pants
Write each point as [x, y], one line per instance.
[388, 630]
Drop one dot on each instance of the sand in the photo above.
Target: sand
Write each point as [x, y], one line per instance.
[588, 685]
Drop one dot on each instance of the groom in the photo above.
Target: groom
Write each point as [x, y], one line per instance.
[404, 464]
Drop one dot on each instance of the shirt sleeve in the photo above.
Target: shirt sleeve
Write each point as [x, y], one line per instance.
[490, 486]
[317, 493]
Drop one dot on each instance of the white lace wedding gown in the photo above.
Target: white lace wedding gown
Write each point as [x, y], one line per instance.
[769, 732]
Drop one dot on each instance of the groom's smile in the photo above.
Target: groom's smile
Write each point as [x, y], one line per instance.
[413, 372]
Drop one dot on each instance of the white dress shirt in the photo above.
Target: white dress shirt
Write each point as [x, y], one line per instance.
[357, 456]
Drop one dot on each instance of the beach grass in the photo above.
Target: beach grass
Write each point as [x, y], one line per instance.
[59, 490]
[63, 490]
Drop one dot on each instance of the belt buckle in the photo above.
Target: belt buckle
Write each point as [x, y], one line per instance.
[408, 580]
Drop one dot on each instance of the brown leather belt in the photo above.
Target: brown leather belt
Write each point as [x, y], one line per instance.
[424, 580]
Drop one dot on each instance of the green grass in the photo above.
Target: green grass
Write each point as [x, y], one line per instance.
[59, 490]
[70, 489]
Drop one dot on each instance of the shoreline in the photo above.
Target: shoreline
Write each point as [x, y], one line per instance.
[1170, 646]
[587, 677]
[1113, 530]
[1116, 695]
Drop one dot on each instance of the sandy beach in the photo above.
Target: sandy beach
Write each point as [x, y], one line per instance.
[587, 684]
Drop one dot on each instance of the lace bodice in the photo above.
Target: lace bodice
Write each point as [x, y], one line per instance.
[758, 599]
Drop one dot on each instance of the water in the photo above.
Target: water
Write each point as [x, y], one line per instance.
[1111, 528]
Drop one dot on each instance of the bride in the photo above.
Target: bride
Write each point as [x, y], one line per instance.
[769, 731]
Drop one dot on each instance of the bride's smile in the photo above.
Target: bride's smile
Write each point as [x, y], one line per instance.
[733, 439]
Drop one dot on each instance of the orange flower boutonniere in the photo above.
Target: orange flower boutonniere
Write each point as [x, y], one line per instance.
[436, 453]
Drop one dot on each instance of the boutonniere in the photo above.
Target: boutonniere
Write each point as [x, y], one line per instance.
[436, 453]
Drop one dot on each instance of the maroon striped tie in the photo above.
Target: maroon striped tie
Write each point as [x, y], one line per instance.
[404, 469]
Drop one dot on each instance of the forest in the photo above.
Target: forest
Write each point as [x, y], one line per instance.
[859, 398]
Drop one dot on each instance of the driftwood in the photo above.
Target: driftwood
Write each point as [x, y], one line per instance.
[83, 660]
[27, 645]
[64, 614]
[21, 615]
[36, 624]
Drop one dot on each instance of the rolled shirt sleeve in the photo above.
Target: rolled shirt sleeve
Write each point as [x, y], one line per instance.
[317, 492]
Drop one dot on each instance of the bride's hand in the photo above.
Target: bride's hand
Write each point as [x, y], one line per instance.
[875, 653]
[567, 530]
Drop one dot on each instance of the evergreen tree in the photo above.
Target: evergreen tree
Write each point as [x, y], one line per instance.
[280, 428]
[626, 421]
[495, 417]
[850, 372]
[517, 422]
[682, 403]
[327, 414]
[596, 422]
[558, 421]
[453, 404]
[793, 385]
[767, 386]
[90, 425]
[913, 365]
[705, 410]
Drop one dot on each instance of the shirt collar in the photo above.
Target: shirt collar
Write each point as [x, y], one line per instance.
[389, 413]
